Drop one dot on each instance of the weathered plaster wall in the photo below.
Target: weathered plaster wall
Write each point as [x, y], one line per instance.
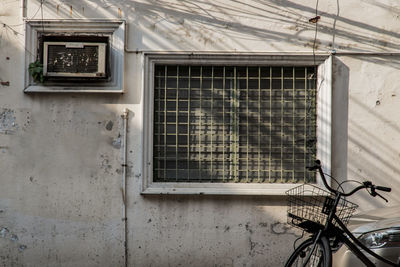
[373, 123]
[60, 158]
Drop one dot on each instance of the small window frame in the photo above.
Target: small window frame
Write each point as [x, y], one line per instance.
[324, 117]
[114, 30]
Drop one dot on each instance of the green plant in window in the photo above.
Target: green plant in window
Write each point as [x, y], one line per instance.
[36, 71]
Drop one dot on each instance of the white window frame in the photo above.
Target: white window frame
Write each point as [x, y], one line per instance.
[324, 118]
[113, 29]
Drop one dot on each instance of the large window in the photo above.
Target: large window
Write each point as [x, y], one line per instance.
[234, 124]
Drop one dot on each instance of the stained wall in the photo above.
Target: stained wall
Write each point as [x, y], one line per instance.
[60, 154]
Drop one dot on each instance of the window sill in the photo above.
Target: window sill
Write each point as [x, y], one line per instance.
[255, 189]
[71, 89]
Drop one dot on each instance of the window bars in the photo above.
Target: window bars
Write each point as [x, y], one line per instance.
[234, 124]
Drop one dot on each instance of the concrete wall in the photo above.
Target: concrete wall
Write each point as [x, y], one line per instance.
[60, 155]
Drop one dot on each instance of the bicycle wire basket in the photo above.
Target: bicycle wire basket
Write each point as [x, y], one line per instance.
[309, 203]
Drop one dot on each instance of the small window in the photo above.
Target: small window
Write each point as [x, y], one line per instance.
[234, 125]
[76, 56]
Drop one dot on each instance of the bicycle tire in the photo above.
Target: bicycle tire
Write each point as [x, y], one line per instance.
[321, 257]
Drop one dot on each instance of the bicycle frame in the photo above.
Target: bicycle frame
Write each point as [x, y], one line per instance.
[334, 229]
[342, 234]
[350, 241]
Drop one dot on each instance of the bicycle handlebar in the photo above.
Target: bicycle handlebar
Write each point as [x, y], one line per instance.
[383, 188]
[366, 184]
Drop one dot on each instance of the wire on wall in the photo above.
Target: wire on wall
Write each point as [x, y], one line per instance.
[6, 28]
[315, 21]
[16, 32]
[11, 27]
[41, 11]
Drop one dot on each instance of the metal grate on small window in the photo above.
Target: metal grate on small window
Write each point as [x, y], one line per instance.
[234, 124]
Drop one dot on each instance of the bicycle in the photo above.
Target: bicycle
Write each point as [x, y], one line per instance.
[324, 215]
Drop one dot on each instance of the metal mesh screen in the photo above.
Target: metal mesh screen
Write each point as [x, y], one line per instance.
[234, 124]
[82, 60]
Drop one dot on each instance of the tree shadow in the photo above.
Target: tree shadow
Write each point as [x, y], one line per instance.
[241, 124]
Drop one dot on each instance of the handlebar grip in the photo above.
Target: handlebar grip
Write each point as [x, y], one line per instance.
[383, 188]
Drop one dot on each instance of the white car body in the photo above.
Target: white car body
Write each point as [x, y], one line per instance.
[380, 219]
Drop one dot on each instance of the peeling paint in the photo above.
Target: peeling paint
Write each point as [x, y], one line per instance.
[105, 164]
[117, 143]
[252, 245]
[4, 232]
[7, 235]
[8, 123]
[248, 228]
[109, 125]
[14, 238]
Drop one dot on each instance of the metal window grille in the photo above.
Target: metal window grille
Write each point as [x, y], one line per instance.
[234, 124]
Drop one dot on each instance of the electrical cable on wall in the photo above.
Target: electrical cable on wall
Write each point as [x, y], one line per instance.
[6, 27]
[315, 21]
[9, 27]
[15, 32]
[41, 11]
[314, 76]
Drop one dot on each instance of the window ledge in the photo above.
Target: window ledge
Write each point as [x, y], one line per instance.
[61, 89]
[217, 189]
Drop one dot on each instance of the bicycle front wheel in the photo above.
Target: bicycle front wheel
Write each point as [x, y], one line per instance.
[320, 257]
